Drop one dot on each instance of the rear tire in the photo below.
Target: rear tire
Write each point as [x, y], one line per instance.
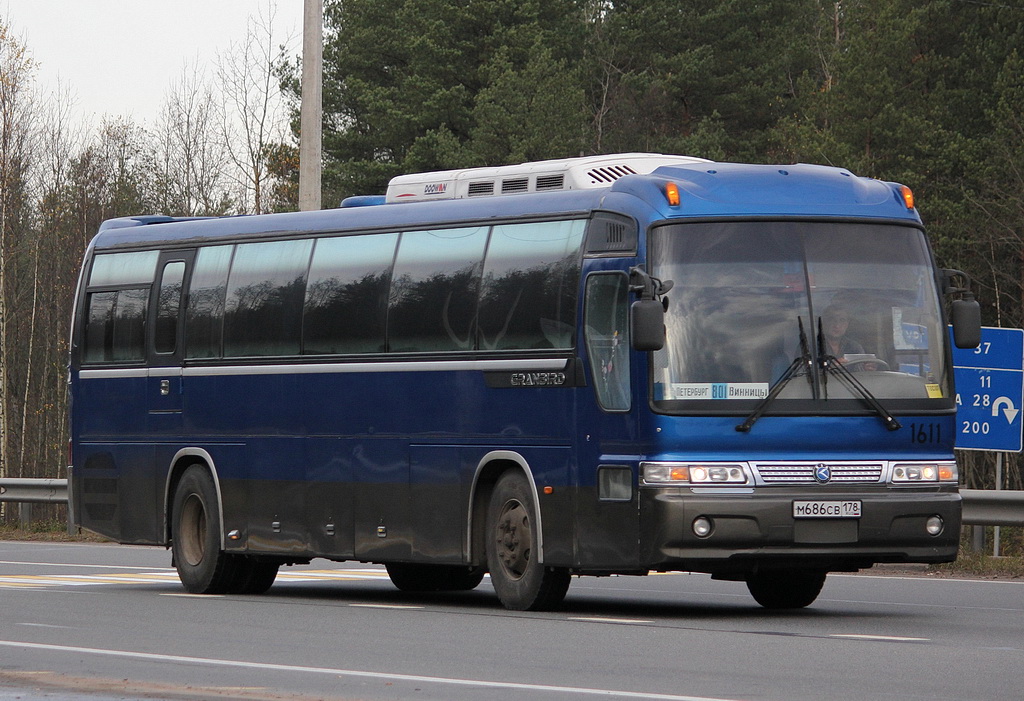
[425, 578]
[203, 567]
[520, 581]
[252, 576]
[786, 589]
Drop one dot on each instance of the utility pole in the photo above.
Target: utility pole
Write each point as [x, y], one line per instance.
[311, 119]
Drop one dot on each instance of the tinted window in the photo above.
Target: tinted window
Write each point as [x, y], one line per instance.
[115, 327]
[266, 287]
[347, 294]
[123, 268]
[434, 290]
[167, 305]
[530, 276]
[605, 313]
[205, 316]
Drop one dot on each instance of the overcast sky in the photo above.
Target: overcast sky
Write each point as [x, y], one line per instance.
[121, 57]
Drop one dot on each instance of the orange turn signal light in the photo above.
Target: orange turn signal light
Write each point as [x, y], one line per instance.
[680, 474]
[672, 194]
[908, 196]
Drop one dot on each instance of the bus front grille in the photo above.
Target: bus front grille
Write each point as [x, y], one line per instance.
[805, 473]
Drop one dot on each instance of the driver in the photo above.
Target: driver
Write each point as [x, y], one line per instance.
[834, 324]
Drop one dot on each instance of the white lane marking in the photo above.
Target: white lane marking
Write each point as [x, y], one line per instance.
[165, 576]
[927, 578]
[888, 638]
[44, 625]
[385, 606]
[416, 678]
[601, 619]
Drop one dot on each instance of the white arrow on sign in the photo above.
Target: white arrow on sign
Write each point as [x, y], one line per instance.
[1008, 409]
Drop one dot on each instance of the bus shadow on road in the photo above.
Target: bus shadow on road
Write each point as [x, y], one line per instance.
[484, 601]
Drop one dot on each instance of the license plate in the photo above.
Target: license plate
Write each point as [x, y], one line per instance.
[826, 509]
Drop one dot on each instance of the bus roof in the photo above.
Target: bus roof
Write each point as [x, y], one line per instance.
[706, 189]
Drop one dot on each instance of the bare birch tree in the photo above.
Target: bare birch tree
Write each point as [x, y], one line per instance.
[254, 114]
[190, 153]
[16, 76]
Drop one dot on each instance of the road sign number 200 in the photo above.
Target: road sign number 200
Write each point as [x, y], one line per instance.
[975, 427]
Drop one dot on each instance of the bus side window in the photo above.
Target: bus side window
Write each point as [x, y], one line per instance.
[167, 306]
[204, 318]
[435, 290]
[347, 294]
[115, 330]
[528, 298]
[606, 319]
[266, 287]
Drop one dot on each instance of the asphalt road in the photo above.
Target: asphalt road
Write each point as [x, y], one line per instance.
[111, 623]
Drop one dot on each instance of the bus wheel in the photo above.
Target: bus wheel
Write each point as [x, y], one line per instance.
[420, 578]
[195, 536]
[521, 583]
[788, 589]
[252, 576]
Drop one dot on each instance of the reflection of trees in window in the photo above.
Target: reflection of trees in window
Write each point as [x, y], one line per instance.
[436, 313]
[115, 330]
[266, 288]
[435, 290]
[346, 316]
[264, 319]
[532, 308]
[205, 316]
[529, 293]
[205, 310]
[168, 303]
[347, 294]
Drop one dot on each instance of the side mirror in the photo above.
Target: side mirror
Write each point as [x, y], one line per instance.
[965, 312]
[966, 322]
[647, 324]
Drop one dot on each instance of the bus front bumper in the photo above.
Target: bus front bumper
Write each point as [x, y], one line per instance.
[733, 534]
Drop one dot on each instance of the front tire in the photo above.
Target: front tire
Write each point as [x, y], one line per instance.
[787, 589]
[520, 581]
[203, 567]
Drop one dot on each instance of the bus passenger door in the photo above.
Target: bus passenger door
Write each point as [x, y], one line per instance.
[164, 388]
[607, 508]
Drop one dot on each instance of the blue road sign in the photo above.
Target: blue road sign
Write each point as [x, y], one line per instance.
[990, 391]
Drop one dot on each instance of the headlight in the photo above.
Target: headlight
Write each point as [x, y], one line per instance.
[693, 473]
[925, 472]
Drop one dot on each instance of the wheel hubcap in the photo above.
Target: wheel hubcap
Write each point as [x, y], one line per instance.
[514, 539]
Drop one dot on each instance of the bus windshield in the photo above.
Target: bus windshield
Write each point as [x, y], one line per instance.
[750, 298]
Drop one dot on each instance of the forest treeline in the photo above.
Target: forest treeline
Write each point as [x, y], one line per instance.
[929, 93]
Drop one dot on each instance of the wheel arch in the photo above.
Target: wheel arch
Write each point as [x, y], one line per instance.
[488, 470]
[182, 460]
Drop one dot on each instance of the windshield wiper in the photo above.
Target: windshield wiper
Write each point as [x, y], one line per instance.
[804, 361]
[830, 365]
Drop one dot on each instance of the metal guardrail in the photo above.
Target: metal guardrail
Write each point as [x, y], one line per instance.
[987, 507]
[36, 491]
[981, 507]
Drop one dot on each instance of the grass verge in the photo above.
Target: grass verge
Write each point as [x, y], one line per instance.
[54, 531]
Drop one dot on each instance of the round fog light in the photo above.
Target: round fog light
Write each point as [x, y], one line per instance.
[933, 525]
[702, 526]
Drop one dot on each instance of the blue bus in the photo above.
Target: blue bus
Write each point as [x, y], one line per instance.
[606, 365]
